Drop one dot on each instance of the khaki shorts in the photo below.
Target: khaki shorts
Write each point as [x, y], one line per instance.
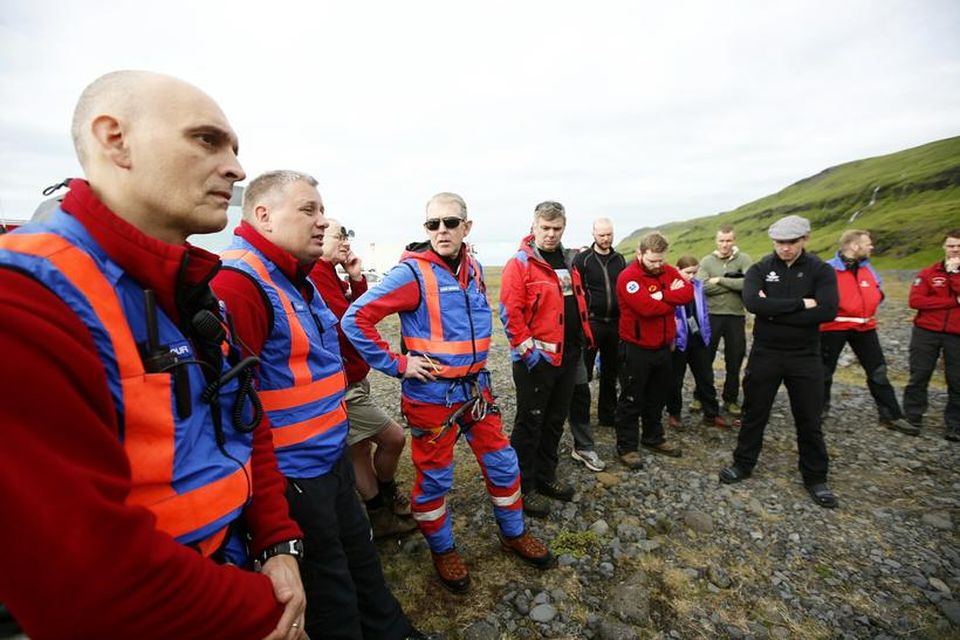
[366, 419]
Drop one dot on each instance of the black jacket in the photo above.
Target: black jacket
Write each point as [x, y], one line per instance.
[782, 322]
[599, 274]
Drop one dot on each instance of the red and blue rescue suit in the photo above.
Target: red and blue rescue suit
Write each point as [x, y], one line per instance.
[101, 428]
[444, 316]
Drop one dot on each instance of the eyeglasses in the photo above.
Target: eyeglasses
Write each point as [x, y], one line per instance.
[450, 223]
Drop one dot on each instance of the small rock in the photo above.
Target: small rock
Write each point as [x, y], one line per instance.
[937, 519]
[939, 585]
[481, 630]
[698, 521]
[718, 577]
[543, 613]
[607, 479]
[600, 528]
[616, 631]
[951, 609]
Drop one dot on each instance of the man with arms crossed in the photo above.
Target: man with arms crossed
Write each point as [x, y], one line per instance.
[722, 275]
[935, 295]
[123, 466]
[791, 292]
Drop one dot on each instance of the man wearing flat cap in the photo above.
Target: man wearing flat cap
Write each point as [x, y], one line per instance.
[791, 292]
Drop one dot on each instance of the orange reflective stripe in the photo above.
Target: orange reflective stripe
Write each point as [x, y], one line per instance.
[182, 512]
[448, 348]
[302, 431]
[299, 343]
[459, 372]
[431, 295]
[80, 269]
[150, 438]
[274, 399]
[211, 543]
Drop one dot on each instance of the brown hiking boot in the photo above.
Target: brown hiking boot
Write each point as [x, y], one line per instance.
[716, 421]
[528, 549]
[452, 571]
[632, 460]
[675, 422]
[386, 524]
[665, 449]
[398, 502]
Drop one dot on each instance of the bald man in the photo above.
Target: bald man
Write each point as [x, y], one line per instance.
[600, 266]
[132, 460]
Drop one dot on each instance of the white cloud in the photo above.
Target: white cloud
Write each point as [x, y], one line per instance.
[639, 111]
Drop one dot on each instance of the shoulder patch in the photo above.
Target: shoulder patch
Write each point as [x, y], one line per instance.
[633, 286]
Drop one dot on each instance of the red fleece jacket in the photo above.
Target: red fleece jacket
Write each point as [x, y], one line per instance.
[78, 561]
[338, 295]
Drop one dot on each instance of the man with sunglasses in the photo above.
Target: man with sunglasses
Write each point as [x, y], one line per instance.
[544, 313]
[791, 292]
[375, 440]
[445, 325]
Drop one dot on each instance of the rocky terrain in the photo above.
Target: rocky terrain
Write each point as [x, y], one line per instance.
[669, 552]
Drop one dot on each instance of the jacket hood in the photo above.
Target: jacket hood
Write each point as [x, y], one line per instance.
[528, 247]
[423, 251]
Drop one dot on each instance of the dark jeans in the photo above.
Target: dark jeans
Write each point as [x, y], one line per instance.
[732, 330]
[866, 346]
[925, 348]
[543, 401]
[699, 359]
[802, 373]
[606, 336]
[347, 596]
[645, 380]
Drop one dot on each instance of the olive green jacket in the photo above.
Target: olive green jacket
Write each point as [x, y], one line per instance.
[724, 298]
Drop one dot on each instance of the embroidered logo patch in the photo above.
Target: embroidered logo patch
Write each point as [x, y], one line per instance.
[633, 286]
[938, 281]
[652, 288]
[772, 277]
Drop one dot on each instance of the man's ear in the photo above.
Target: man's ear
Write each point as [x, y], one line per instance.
[110, 137]
[467, 226]
[261, 213]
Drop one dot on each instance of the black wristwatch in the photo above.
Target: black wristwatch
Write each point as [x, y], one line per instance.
[286, 548]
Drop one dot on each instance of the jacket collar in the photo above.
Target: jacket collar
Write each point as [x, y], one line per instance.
[174, 272]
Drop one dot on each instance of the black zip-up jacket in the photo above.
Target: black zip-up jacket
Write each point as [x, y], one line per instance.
[599, 274]
[782, 322]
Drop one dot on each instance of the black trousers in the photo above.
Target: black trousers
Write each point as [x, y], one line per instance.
[700, 360]
[347, 596]
[606, 337]
[646, 377]
[925, 348]
[802, 373]
[732, 330]
[543, 401]
[866, 346]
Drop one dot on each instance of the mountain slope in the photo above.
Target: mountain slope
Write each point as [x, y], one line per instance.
[907, 199]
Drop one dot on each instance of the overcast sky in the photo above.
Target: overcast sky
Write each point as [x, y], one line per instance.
[634, 110]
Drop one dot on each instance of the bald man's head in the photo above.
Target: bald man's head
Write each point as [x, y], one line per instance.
[603, 234]
[158, 151]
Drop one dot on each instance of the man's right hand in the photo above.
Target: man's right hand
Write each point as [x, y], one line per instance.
[421, 369]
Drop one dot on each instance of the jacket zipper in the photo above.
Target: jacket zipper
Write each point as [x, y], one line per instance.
[473, 336]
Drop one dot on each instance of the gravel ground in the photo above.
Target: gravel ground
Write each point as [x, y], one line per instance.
[669, 552]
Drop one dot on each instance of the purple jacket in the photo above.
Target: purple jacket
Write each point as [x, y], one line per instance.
[700, 301]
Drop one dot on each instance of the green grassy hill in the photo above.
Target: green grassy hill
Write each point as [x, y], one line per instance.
[907, 199]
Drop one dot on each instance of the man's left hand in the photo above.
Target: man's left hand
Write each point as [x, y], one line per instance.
[284, 574]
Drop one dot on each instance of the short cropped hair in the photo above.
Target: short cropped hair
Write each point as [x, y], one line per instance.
[687, 261]
[953, 233]
[727, 228]
[448, 197]
[550, 210]
[850, 236]
[267, 184]
[653, 241]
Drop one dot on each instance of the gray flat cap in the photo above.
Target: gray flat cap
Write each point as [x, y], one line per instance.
[789, 228]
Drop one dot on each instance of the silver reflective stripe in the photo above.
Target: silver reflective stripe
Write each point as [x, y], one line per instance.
[428, 516]
[525, 346]
[506, 501]
[549, 347]
[854, 320]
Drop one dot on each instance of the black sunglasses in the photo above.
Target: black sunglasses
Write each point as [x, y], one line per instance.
[450, 223]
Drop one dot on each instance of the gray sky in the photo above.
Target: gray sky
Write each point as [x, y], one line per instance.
[641, 112]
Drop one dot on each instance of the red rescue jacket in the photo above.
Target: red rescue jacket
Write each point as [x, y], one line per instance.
[645, 321]
[860, 295]
[934, 295]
